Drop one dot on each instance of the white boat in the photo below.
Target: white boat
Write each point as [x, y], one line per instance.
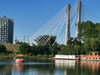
[19, 60]
[67, 57]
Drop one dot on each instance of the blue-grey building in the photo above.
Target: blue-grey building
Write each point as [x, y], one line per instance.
[6, 30]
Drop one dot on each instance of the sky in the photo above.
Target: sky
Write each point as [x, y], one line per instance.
[30, 15]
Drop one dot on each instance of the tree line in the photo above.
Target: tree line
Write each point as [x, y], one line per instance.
[88, 40]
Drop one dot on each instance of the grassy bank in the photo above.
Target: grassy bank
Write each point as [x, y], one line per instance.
[11, 56]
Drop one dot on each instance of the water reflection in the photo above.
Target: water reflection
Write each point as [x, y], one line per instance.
[65, 63]
[92, 65]
[5, 69]
[33, 68]
[69, 66]
[72, 67]
[18, 67]
[59, 67]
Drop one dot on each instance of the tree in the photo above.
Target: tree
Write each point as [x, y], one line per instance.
[89, 30]
[89, 34]
[2, 48]
[95, 45]
[64, 49]
[24, 48]
[54, 49]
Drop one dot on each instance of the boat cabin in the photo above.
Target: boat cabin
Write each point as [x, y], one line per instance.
[94, 53]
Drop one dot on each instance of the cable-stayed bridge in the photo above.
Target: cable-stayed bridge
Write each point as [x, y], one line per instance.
[64, 24]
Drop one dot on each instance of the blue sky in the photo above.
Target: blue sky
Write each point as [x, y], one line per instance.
[30, 15]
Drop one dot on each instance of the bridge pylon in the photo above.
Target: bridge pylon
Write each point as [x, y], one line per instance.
[78, 17]
[67, 37]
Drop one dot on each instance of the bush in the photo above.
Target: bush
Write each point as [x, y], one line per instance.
[2, 48]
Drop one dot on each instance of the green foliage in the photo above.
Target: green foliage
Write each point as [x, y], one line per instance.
[41, 49]
[92, 44]
[54, 49]
[73, 47]
[63, 50]
[44, 50]
[24, 48]
[2, 48]
[89, 33]
[89, 30]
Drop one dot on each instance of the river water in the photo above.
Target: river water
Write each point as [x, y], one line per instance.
[47, 67]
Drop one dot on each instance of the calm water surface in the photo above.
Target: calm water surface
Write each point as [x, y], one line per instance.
[55, 67]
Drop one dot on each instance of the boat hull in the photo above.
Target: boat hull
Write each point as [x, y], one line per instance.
[91, 56]
[19, 60]
[88, 57]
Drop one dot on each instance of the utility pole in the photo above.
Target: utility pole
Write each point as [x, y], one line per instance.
[24, 38]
